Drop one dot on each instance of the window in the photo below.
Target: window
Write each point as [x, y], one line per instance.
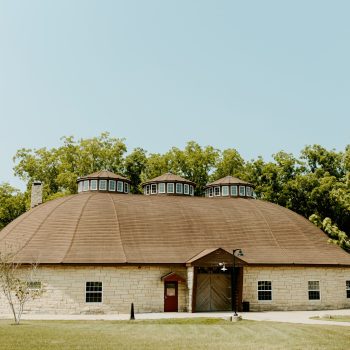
[186, 189]
[224, 190]
[161, 187]
[34, 285]
[191, 190]
[126, 187]
[93, 293]
[111, 184]
[264, 290]
[314, 290]
[217, 191]
[242, 191]
[80, 186]
[119, 186]
[86, 185]
[179, 188]
[102, 185]
[147, 189]
[170, 188]
[348, 289]
[154, 188]
[93, 185]
[234, 191]
[211, 192]
[248, 191]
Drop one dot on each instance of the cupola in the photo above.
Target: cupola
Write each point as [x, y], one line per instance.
[169, 184]
[229, 186]
[103, 181]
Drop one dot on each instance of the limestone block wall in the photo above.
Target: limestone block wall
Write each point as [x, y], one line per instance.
[290, 287]
[65, 289]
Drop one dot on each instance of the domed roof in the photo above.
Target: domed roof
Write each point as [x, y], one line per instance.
[168, 177]
[98, 228]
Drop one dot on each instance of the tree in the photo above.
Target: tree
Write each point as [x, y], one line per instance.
[12, 204]
[135, 163]
[229, 163]
[17, 283]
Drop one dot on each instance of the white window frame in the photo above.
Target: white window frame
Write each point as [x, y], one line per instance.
[248, 191]
[100, 187]
[110, 182]
[147, 187]
[234, 190]
[169, 184]
[211, 192]
[264, 290]
[120, 186]
[242, 187]
[86, 185]
[161, 187]
[222, 191]
[154, 188]
[94, 302]
[347, 289]
[186, 189]
[126, 187]
[92, 183]
[215, 190]
[191, 190]
[30, 285]
[313, 290]
[80, 187]
[179, 184]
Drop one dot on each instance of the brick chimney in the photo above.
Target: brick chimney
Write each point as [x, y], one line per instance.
[37, 194]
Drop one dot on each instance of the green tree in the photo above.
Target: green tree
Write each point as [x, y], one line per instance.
[12, 204]
[230, 162]
[135, 163]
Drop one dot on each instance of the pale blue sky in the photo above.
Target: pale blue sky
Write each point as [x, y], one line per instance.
[259, 76]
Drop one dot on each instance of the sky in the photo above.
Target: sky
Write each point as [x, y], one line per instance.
[258, 76]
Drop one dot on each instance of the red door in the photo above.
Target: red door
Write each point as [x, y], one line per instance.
[170, 297]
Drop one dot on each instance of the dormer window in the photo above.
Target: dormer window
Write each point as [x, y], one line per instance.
[126, 187]
[161, 187]
[242, 191]
[191, 190]
[248, 191]
[93, 185]
[179, 188]
[170, 188]
[154, 188]
[80, 187]
[147, 189]
[217, 191]
[224, 190]
[234, 191]
[111, 185]
[186, 189]
[86, 185]
[211, 192]
[103, 185]
[120, 186]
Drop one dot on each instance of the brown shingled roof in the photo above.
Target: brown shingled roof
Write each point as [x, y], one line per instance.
[229, 180]
[112, 228]
[103, 174]
[168, 177]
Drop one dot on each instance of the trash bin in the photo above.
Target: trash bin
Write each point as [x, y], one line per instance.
[245, 306]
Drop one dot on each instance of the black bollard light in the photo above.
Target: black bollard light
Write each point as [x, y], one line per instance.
[132, 313]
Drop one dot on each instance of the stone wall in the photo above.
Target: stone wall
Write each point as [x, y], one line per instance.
[122, 285]
[290, 287]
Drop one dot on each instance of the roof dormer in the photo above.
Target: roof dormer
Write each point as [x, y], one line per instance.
[229, 186]
[103, 181]
[169, 184]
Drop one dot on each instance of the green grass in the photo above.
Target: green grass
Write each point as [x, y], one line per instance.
[186, 334]
[338, 318]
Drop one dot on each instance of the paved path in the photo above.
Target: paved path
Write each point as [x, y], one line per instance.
[276, 316]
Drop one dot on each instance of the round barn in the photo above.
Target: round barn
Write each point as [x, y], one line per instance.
[167, 250]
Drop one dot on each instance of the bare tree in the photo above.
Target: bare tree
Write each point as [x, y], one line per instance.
[17, 283]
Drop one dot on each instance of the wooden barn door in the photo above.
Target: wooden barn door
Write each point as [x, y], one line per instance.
[213, 291]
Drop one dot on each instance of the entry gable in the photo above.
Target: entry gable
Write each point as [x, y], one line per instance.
[172, 277]
[214, 256]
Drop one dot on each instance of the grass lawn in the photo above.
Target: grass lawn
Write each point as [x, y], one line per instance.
[339, 318]
[170, 334]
